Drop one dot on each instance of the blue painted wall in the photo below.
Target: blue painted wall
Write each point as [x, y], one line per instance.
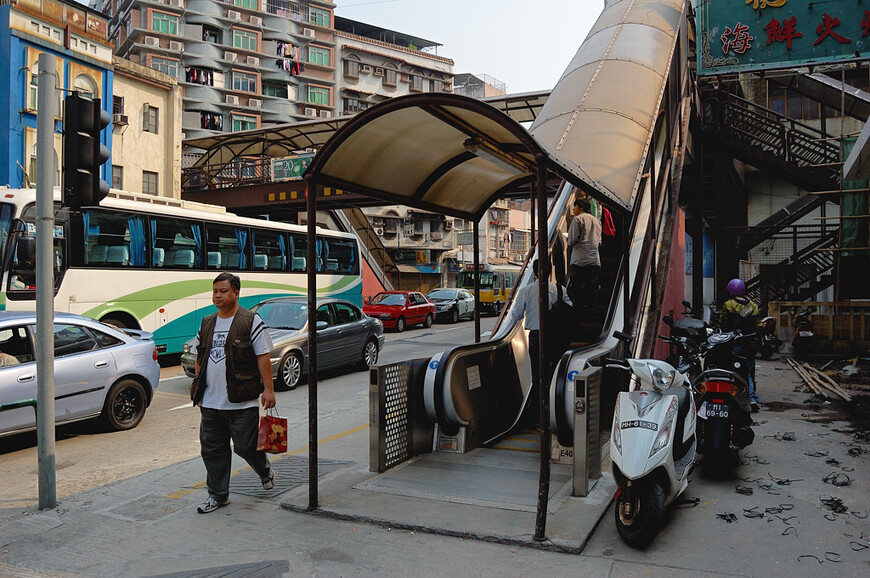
[13, 102]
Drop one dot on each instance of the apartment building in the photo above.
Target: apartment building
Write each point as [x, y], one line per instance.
[242, 64]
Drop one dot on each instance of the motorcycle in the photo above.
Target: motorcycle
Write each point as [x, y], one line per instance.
[803, 334]
[686, 352]
[767, 343]
[688, 326]
[652, 447]
[721, 394]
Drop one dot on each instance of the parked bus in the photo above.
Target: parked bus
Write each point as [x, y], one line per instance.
[496, 284]
[148, 262]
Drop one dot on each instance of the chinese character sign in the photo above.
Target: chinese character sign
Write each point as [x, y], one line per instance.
[744, 35]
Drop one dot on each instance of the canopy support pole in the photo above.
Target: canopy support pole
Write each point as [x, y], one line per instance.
[543, 373]
[312, 343]
[475, 247]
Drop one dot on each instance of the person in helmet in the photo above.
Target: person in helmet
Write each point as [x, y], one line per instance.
[740, 313]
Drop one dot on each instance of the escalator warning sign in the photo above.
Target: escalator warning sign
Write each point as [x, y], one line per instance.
[473, 375]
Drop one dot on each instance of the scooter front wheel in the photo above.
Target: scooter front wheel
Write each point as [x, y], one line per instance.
[640, 513]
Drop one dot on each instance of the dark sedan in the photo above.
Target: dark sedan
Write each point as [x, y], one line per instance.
[452, 304]
[345, 336]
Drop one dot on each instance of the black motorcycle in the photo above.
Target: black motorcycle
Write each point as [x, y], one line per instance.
[685, 353]
[767, 343]
[722, 397]
[804, 337]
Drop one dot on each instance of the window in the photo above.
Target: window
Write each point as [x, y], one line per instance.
[149, 183]
[117, 105]
[165, 65]
[351, 68]
[270, 250]
[85, 85]
[165, 23]
[150, 119]
[337, 256]
[245, 40]
[117, 177]
[34, 86]
[242, 122]
[318, 56]
[14, 342]
[319, 17]
[210, 34]
[114, 239]
[318, 95]
[345, 313]
[298, 252]
[244, 82]
[436, 86]
[249, 4]
[104, 339]
[72, 339]
[211, 121]
[353, 105]
[276, 90]
[390, 77]
[176, 244]
[226, 247]
[416, 83]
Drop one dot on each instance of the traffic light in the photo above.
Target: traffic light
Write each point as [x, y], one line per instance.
[83, 154]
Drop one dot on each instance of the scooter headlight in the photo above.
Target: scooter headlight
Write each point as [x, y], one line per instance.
[661, 379]
[616, 433]
[664, 434]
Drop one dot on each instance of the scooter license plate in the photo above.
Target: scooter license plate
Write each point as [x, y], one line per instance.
[805, 333]
[717, 410]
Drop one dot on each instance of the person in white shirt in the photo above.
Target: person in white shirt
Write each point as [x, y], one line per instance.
[584, 239]
[526, 305]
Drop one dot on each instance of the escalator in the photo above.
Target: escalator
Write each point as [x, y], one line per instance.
[630, 159]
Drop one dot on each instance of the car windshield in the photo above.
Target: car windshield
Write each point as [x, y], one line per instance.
[441, 294]
[388, 299]
[282, 314]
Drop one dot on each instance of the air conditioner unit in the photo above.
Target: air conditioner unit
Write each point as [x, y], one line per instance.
[365, 68]
[231, 56]
[255, 102]
[152, 41]
[175, 45]
[232, 99]
[234, 15]
[253, 60]
[310, 111]
[448, 225]
[379, 71]
[309, 32]
[325, 113]
[379, 231]
[179, 3]
[256, 21]
[436, 236]
[119, 119]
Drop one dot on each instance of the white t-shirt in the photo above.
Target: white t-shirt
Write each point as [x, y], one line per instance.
[215, 395]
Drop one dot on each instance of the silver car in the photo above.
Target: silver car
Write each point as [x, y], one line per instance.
[345, 336]
[99, 372]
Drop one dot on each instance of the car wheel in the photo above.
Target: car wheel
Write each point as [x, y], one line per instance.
[400, 324]
[125, 405]
[428, 323]
[369, 354]
[290, 372]
[454, 315]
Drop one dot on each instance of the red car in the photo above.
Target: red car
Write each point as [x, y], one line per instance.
[398, 309]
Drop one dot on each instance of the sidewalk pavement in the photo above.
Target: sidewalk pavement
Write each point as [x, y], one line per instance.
[807, 471]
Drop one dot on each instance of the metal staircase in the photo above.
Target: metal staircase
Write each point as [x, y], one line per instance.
[799, 277]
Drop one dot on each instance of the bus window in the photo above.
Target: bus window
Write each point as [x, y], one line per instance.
[113, 239]
[180, 241]
[271, 245]
[341, 256]
[225, 247]
[298, 252]
[6, 211]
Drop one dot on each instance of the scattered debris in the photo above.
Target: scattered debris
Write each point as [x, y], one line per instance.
[745, 490]
[834, 504]
[752, 513]
[820, 383]
[816, 454]
[728, 517]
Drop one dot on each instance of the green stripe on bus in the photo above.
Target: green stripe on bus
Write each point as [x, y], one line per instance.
[143, 303]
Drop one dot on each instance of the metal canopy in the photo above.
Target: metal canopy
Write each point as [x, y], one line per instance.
[591, 124]
[443, 152]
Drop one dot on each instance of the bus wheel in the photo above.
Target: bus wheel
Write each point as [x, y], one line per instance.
[114, 322]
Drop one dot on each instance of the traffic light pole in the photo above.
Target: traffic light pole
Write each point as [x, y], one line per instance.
[45, 176]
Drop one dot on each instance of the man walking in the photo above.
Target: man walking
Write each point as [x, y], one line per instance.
[232, 372]
[584, 238]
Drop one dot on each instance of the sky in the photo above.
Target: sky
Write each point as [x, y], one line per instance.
[526, 45]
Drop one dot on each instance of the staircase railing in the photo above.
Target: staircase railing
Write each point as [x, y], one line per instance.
[800, 275]
[771, 133]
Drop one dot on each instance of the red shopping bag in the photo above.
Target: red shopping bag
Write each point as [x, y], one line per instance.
[272, 437]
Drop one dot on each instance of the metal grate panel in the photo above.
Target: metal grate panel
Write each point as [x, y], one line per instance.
[395, 395]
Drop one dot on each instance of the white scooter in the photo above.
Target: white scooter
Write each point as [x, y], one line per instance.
[652, 447]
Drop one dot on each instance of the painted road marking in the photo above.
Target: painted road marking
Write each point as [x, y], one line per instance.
[200, 485]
